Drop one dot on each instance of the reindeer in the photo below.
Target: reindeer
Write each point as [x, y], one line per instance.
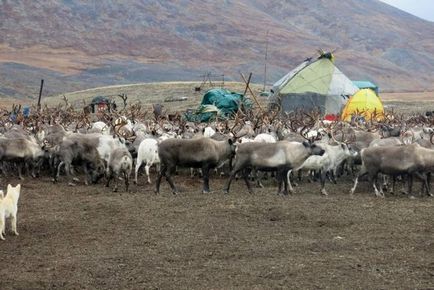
[328, 162]
[411, 160]
[20, 151]
[148, 154]
[79, 150]
[281, 156]
[204, 153]
[120, 164]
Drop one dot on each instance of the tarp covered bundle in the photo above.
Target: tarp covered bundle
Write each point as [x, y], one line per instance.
[364, 104]
[311, 79]
[219, 103]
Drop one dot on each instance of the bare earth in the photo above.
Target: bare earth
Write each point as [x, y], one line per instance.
[90, 238]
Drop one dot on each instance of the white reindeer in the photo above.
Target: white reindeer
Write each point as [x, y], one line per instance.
[147, 154]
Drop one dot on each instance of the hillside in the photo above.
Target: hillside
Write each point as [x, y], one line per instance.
[82, 44]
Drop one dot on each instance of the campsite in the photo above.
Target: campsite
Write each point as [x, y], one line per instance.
[235, 144]
[89, 237]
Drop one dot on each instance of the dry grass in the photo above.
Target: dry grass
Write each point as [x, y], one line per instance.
[6, 103]
[408, 97]
[410, 102]
[151, 93]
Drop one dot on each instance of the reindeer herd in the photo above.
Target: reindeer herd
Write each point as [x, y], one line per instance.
[107, 146]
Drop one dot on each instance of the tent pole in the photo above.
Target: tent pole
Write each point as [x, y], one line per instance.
[247, 83]
[265, 62]
[250, 90]
[40, 95]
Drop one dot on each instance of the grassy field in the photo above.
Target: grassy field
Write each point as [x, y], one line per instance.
[151, 93]
[409, 102]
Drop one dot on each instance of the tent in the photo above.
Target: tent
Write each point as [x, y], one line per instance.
[366, 104]
[310, 101]
[218, 103]
[309, 80]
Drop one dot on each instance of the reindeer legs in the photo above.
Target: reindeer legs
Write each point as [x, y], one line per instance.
[288, 180]
[323, 180]
[169, 179]
[166, 171]
[205, 173]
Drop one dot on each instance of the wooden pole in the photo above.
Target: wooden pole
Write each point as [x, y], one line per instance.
[250, 90]
[265, 62]
[247, 83]
[40, 94]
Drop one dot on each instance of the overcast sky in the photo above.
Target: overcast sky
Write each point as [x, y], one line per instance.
[421, 8]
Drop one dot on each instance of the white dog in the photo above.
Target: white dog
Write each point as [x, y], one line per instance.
[9, 208]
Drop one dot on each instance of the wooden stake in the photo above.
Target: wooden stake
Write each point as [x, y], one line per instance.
[247, 83]
[40, 94]
[250, 90]
[265, 62]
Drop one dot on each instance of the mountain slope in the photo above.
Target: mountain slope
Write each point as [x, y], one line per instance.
[82, 44]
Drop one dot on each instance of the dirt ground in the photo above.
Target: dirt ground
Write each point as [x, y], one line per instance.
[87, 237]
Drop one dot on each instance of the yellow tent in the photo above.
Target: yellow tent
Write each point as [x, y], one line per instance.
[365, 103]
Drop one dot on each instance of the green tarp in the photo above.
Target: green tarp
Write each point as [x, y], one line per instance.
[219, 103]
